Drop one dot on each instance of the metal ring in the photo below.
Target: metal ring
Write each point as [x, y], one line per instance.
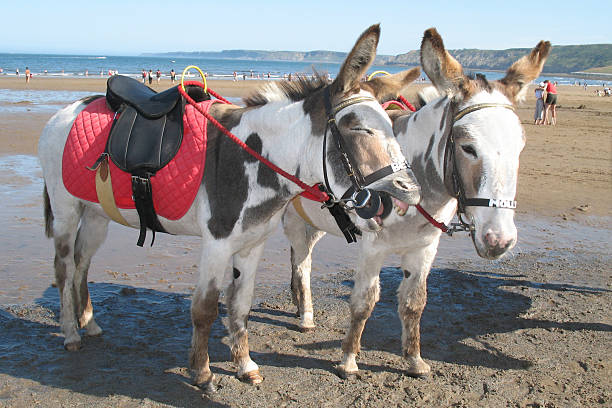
[373, 74]
[364, 201]
[201, 74]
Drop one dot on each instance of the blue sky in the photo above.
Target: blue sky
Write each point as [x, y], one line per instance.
[111, 27]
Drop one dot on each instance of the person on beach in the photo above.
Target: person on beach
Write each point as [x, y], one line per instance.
[150, 76]
[158, 75]
[551, 103]
[235, 76]
[539, 110]
[538, 117]
[27, 73]
[144, 76]
[172, 75]
[17, 72]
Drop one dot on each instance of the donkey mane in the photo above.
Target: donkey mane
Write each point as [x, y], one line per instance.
[480, 81]
[284, 90]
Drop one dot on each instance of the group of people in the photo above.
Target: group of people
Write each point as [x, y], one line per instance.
[546, 103]
[28, 74]
[606, 91]
[254, 76]
[149, 76]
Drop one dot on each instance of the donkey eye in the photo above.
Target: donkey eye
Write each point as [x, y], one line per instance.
[469, 149]
[360, 129]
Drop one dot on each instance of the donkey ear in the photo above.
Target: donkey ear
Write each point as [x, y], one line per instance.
[385, 88]
[445, 73]
[525, 70]
[358, 61]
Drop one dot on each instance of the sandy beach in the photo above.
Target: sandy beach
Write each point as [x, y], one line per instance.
[531, 330]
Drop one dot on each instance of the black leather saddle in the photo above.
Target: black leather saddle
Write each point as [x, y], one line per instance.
[146, 134]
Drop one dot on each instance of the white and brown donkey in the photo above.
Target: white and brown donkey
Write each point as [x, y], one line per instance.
[240, 201]
[464, 149]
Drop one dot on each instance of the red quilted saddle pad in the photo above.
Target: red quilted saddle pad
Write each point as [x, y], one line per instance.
[174, 187]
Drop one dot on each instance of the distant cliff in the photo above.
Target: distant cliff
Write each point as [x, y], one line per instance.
[260, 55]
[562, 59]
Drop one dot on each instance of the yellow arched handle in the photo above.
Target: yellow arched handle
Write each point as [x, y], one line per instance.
[373, 74]
[201, 74]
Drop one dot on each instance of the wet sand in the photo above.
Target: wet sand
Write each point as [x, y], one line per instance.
[530, 330]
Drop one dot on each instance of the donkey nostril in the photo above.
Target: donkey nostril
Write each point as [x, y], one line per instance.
[491, 239]
[403, 184]
[508, 244]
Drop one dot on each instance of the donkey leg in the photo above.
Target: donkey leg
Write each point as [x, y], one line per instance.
[66, 220]
[239, 298]
[92, 233]
[363, 298]
[204, 311]
[303, 238]
[412, 296]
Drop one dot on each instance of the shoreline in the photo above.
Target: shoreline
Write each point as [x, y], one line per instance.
[225, 87]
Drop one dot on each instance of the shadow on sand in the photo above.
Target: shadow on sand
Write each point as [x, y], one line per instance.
[143, 351]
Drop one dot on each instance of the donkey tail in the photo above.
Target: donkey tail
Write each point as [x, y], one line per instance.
[48, 214]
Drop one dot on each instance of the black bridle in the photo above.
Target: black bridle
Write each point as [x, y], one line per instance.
[457, 184]
[365, 201]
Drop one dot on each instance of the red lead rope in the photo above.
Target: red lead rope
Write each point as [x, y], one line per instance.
[311, 193]
[405, 102]
[408, 106]
[431, 219]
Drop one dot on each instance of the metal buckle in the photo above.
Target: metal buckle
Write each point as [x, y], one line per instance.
[397, 166]
[460, 226]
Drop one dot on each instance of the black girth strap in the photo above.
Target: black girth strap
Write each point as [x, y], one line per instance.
[143, 199]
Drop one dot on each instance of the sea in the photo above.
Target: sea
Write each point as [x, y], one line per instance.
[100, 65]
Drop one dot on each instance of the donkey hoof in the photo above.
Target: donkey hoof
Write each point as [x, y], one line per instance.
[93, 330]
[344, 373]
[307, 329]
[418, 368]
[252, 377]
[73, 346]
[206, 385]
[418, 375]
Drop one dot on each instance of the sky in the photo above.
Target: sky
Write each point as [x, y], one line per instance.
[112, 27]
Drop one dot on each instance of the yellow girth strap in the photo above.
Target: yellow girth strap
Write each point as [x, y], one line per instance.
[104, 190]
[297, 204]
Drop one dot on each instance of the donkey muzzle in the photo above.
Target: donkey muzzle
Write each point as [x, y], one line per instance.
[400, 186]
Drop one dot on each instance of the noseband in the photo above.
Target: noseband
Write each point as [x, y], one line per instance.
[458, 190]
[365, 201]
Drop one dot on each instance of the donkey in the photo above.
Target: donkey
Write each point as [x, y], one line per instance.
[464, 146]
[239, 202]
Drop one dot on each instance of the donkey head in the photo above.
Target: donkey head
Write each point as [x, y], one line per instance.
[485, 139]
[365, 132]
